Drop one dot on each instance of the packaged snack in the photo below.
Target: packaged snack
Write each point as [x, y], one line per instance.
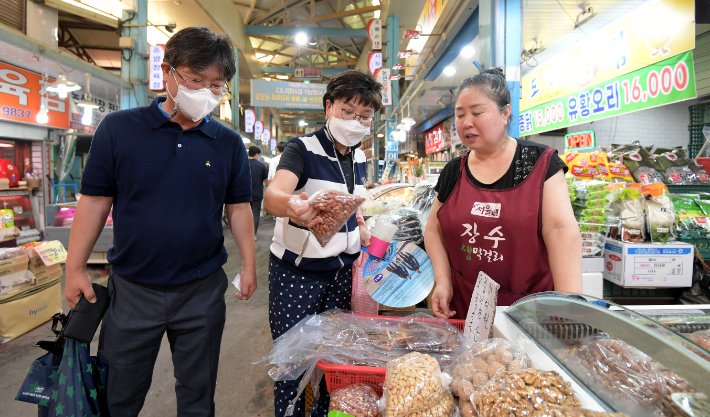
[555, 411]
[358, 400]
[582, 212]
[660, 212]
[570, 179]
[624, 377]
[602, 167]
[8, 217]
[582, 165]
[413, 384]
[628, 207]
[521, 393]
[475, 367]
[704, 207]
[642, 166]
[700, 172]
[335, 208]
[701, 337]
[598, 203]
[677, 167]
[593, 219]
[445, 408]
[619, 173]
[691, 222]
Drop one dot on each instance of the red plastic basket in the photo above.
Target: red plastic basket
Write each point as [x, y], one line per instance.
[339, 376]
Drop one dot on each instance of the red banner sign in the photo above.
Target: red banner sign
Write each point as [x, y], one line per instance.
[404, 54]
[411, 34]
[398, 67]
[434, 139]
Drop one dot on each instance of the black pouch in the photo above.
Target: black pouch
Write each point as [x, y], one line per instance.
[85, 318]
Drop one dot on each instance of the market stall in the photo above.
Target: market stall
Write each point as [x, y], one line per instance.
[594, 358]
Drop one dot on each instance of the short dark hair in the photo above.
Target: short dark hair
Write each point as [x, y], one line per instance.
[198, 48]
[281, 146]
[354, 85]
[254, 150]
[492, 82]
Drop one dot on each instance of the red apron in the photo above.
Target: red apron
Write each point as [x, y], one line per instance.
[498, 232]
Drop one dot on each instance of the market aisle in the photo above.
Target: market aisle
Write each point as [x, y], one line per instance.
[243, 389]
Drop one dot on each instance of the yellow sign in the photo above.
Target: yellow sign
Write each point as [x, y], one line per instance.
[650, 34]
[426, 23]
[51, 252]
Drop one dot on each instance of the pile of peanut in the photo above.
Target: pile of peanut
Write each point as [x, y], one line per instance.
[475, 367]
[413, 385]
[358, 400]
[335, 208]
[521, 393]
[444, 409]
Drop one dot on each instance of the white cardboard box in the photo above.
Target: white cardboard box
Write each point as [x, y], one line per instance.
[648, 265]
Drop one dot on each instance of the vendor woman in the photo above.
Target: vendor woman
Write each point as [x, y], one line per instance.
[502, 208]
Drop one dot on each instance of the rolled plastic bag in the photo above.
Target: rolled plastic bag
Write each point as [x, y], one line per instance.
[335, 208]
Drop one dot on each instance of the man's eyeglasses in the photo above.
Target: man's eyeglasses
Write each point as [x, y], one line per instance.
[347, 114]
[216, 89]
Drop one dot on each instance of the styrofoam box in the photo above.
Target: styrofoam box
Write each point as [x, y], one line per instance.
[648, 265]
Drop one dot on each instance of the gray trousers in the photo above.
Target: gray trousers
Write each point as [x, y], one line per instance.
[192, 315]
[256, 212]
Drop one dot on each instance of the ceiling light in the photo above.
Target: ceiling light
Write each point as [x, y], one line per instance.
[302, 123]
[380, 135]
[400, 126]
[407, 127]
[409, 121]
[468, 52]
[265, 58]
[301, 38]
[377, 14]
[6, 145]
[267, 78]
[42, 116]
[282, 77]
[63, 86]
[443, 101]
[313, 41]
[449, 70]
[245, 140]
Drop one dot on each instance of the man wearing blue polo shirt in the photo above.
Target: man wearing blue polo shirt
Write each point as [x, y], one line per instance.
[167, 169]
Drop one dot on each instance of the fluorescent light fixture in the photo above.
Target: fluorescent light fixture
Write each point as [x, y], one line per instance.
[63, 86]
[449, 70]
[468, 52]
[302, 123]
[380, 135]
[301, 38]
[282, 77]
[267, 78]
[409, 121]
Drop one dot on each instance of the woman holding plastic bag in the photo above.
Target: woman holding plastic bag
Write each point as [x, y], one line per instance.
[316, 191]
[502, 208]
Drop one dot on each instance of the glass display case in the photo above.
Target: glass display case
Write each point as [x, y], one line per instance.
[626, 361]
[398, 191]
[59, 218]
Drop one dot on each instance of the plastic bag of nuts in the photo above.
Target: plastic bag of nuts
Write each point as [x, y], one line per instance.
[358, 400]
[521, 393]
[445, 408]
[475, 367]
[413, 384]
[335, 208]
[554, 411]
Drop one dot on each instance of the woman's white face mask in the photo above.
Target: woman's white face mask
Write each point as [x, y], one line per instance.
[347, 132]
[195, 104]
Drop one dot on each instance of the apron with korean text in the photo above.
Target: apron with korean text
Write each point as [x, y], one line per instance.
[498, 232]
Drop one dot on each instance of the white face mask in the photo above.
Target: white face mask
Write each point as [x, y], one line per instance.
[195, 104]
[347, 132]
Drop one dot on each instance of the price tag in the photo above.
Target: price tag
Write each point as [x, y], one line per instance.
[51, 252]
[482, 310]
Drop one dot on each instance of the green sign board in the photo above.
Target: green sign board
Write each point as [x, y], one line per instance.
[666, 82]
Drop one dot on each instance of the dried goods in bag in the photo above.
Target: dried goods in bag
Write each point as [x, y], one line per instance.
[623, 376]
[335, 208]
[660, 212]
[701, 338]
[523, 392]
[691, 222]
[357, 400]
[628, 208]
[642, 166]
[555, 411]
[413, 384]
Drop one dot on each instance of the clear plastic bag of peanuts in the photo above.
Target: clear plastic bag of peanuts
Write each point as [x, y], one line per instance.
[556, 411]
[334, 208]
[523, 392]
[413, 384]
[357, 400]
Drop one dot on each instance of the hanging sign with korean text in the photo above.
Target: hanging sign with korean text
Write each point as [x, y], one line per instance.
[312, 74]
[666, 82]
[258, 130]
[383, 77]
[404, 54]
[287, 94]
[427, 23]
[266, 136]
[652, 33]
[374, 61]
[249, 119]
[155, 71]
[23, 92]
[374, 33]
[76, 119]
[437, 139]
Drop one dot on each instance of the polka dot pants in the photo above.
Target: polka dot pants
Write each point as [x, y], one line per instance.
[292, 297]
